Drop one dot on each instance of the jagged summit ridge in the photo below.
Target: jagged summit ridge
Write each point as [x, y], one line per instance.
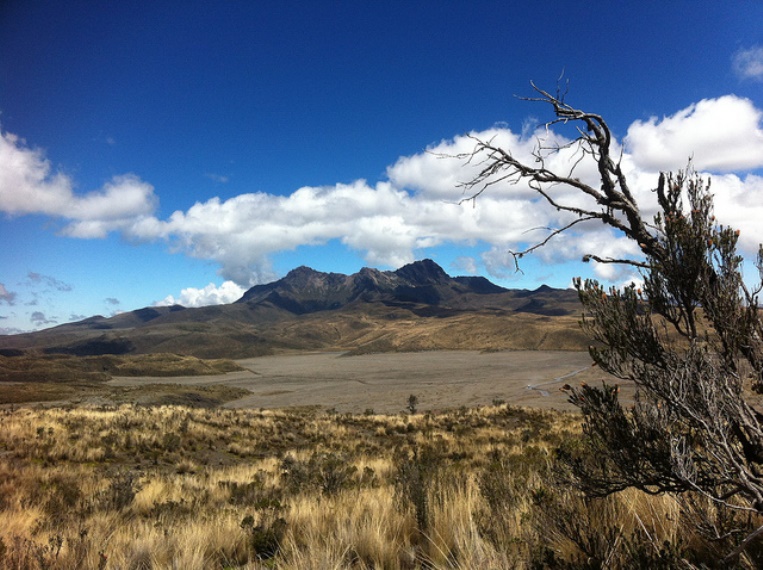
[309, 309]
[425, 271]
[305, 290]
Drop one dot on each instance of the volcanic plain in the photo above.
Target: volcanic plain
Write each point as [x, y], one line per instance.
[383, 383]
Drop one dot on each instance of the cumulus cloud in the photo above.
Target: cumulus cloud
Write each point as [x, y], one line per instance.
[418, 206]
[748, 63]
[739, 203]
[226, 293]
[438, 174]
[723, 134]
[8, 297]
[242, 232]
[28, 185]
[391, 223]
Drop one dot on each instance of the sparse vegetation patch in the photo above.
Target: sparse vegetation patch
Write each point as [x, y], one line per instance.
[175, 486]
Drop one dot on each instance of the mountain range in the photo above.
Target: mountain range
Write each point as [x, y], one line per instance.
[417, 307]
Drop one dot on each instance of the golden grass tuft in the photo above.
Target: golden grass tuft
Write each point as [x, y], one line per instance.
[180, 487]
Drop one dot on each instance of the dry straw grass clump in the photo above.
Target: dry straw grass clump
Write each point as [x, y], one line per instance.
[174, 487]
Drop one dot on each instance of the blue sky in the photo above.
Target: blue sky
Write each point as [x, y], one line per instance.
[157, 152]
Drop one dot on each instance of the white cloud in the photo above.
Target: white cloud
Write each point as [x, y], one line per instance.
[244, 231]
[28, 186]
[721, 134]
[499, 262]
[748, 63]
[124, 197]
[226, 293]
[739, 203]
[596, 239]
[437, 174]
[395, 221]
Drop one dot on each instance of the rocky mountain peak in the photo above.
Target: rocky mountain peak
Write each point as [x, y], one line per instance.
[287, 313]
[307, 290]
[301, 271]
[424, 272]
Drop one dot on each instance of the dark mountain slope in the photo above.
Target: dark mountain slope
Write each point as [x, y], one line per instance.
[305, 290]
[309, 309]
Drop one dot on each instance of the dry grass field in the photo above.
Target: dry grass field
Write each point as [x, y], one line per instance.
[177, 487]
[359, 475]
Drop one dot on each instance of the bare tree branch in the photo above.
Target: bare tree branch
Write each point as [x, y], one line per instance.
[614, 203]
[691, 340]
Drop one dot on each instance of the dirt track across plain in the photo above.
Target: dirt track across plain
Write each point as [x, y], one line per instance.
[383, 382]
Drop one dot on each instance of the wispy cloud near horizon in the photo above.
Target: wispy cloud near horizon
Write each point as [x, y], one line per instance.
[48, 281]
[6, 296]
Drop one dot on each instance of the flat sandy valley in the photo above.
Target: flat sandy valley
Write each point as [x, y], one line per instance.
[383, 382]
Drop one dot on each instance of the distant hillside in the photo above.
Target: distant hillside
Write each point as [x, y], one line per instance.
[417, 307]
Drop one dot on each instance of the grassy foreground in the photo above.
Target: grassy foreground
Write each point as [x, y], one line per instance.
[139, 487]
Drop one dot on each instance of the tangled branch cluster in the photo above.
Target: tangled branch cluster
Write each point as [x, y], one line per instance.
[690, 340]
